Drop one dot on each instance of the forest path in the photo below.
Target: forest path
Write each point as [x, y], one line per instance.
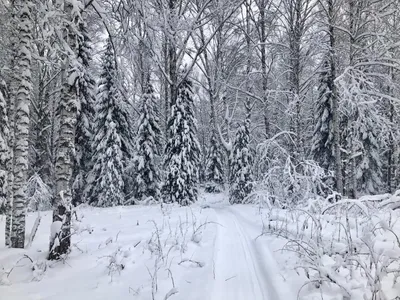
[243, 268]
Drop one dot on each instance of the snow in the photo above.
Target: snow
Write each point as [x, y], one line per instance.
[210, 250]
[55, 229]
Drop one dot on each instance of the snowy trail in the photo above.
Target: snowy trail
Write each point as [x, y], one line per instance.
[233, 264]
[242, 270]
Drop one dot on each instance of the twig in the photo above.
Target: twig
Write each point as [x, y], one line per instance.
[230, 278]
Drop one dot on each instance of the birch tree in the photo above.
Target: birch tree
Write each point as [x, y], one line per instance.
[21, 123]
[4, 147]
[60, 236]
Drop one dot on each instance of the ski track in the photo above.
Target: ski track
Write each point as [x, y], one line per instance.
[241, 270]
[237, 265]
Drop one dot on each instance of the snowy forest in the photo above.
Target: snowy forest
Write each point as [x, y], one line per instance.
[156, 142]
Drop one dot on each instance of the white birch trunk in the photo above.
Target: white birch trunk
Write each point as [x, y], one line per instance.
[21, 127]
[60, 241]
[4, 156]
[12, 91]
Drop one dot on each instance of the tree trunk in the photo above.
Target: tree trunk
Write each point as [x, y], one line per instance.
[21, 127]
[60, 241]
[64, 168]
[13, 86]
[335, 100]
[263, 40]
[4, 157]
[172, 54]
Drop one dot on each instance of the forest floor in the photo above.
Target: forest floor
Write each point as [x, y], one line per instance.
[212, 251]
[208, 251]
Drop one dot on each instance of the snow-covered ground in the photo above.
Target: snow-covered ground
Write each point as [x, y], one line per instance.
[211, 250]
[207, 251]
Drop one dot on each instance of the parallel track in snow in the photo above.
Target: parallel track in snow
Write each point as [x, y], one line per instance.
[242, 271]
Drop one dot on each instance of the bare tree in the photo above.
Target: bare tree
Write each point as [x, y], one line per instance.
[21, 123]
[67, 115]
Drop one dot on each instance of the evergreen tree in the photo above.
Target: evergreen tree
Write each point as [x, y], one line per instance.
[368, 164]
[214, 166]
[112, 138]
[240, 181]
[84, 128]
[148, 145]
[182, 150]
[322, 141]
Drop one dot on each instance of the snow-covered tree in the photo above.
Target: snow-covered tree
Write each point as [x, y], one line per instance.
[182, 151]
[365, 137]
[67, 107]
[22, 75]
[241, 183]
[112, 138]
[369, 173]
[4, 149]
[322, 141]
[84, 128]
[146, 173]
[215, 165]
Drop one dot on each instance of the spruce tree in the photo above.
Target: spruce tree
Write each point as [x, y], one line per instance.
[368, 164]
[112, 138]
[322, 141]
[214, 166]
[182, 151]
[84, 127]
[240, 180]
[146, 182]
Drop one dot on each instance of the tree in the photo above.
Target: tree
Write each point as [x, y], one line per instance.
[240, 180]
[182, 151]
[84, 128]
[297, 19]
[322, 142]
[21, 124]
[4, 147]
[325, 147]
[359, 89]
[60, 238]
[148, 145]
[112, 138]
[215, 166]
[369, 164]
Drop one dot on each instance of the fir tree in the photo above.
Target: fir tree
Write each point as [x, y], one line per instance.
[84, 129]
[240, 181]
[182, 149]
[148, 145]
[322, 141]
[112, 139]
[214, 166]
